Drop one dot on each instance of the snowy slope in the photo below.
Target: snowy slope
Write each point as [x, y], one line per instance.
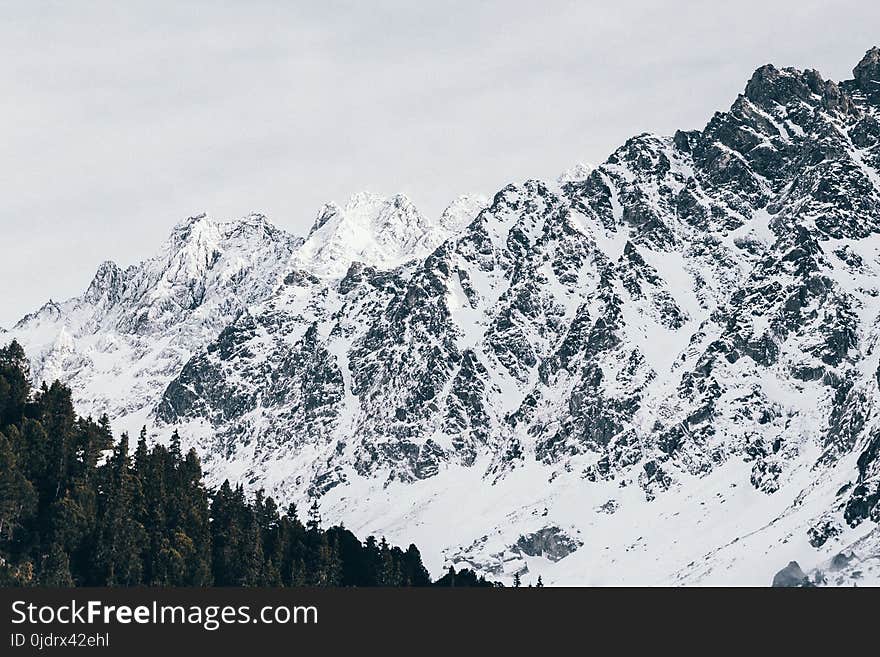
[658, 370]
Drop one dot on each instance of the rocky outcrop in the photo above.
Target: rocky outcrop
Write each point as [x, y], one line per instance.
[791, 577]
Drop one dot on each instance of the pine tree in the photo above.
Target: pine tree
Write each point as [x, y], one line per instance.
[141, 452]
[225, 536]
[150, 473]
[118, 557]
[55, 569]
[250, 547]
[390, 575]
[516, 580]
[334, 563]
[269, 523]
[58, 418]
[314, 523]
[299, 576]
[327, 568]
[14, 383]
[17, 496]
[372, 563]
[415, 572]
[176, 453]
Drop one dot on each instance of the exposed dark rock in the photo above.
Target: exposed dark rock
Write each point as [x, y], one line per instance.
[550, 542]
[791, 576]
[867, 74]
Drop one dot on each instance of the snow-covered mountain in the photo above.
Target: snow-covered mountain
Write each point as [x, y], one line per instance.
[376, 230]
[659, 370]
[120, 343]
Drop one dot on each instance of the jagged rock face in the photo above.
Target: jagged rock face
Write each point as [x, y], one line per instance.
[864, 503]
[133, 330]
[867, 74]
[694, 321]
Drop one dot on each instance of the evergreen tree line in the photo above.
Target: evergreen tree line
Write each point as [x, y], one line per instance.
[80, 508]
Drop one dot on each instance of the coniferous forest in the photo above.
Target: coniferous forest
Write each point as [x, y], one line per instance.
[80, 508]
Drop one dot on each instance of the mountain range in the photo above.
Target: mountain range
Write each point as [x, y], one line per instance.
[659, 370]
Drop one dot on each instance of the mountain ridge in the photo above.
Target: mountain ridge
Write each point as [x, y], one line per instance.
[687, 325]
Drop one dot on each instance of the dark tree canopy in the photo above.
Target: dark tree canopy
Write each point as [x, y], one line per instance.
[80, 507]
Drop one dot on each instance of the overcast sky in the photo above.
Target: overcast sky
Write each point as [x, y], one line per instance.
[120, 118]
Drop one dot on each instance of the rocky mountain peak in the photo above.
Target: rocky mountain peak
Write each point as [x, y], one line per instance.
[325, 214]
[575, 173]
[462, 211]
[769, 84]
[187, 226]
[867, 74]
[364, 199]
[381, 232]
[106, 284]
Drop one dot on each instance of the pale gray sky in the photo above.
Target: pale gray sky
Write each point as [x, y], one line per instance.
[120, 118]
